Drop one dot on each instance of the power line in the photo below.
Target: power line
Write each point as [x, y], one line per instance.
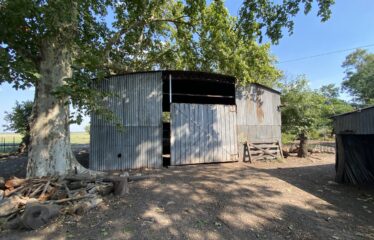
[326, 53]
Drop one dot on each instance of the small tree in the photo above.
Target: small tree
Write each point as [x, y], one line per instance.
[306, 110]
[302, 111]
[18, 121]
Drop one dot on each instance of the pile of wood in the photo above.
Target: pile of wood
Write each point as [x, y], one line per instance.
[32, 203]
[312, 148]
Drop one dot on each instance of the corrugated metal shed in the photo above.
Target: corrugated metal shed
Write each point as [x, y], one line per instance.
[357, 122]
[203, 133]
[258, 115]
[354, 146]
[210, 119]
[138, 105]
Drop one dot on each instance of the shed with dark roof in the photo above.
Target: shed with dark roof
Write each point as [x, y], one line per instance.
[181, 117]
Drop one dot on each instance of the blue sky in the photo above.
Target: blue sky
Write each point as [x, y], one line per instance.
[350, 26]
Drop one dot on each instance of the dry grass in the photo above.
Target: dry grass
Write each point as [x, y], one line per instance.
[75, 138]
[79, 138]
[10, 138]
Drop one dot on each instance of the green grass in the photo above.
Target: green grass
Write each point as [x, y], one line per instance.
[75, 138]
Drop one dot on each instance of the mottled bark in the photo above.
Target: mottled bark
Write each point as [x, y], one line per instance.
[303, 149]
[50, 151]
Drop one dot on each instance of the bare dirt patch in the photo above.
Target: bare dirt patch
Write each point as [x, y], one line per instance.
[293, 199]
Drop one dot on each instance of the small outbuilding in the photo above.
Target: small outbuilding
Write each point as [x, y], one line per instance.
[354, 134]
[184, 117]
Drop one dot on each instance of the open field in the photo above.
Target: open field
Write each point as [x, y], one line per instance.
[9, 141]
[10, 138]
[79, 138]
[290, 199]
[75, 138]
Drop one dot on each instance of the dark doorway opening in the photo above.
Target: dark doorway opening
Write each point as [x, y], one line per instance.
[355, 159]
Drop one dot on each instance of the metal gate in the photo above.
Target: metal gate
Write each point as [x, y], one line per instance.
[203, 133]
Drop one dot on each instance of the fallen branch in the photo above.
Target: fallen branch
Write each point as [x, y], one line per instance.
[70, 199]
[33, 194]
[9, 193]
[42, 195]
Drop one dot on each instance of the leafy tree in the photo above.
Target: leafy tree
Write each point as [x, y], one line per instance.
[330, 91]
[306, 110]
[18, 121]
[259, 18]
[332, 106]
[302, 110]
[217, 46]
[59, 46]
[359, 76]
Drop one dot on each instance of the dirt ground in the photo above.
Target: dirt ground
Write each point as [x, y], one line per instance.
[292, 199]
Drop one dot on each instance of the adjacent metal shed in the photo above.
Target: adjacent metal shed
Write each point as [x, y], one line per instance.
[355, 146]
[210, 120]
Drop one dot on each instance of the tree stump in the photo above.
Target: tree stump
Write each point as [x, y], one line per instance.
[121, 186]
[37, 215]
[303, 150]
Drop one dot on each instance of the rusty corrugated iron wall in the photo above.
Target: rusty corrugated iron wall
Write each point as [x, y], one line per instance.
[203, 133]
[258, 115]
[138, 105]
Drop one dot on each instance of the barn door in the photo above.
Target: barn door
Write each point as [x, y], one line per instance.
[203, 133]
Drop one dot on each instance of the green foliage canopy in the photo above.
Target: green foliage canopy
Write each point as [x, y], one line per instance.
[259, 18]
[216, 46]
[359, 76]
[306, 110]
[144, 35]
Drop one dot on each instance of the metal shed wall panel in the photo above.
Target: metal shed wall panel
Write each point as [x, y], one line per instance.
[202, 133]
[138, 105]
[258, 116]
[257, 106]
[355, 123]
[259, 133]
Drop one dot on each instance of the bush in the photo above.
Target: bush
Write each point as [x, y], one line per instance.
[288, 138]
[18, 121]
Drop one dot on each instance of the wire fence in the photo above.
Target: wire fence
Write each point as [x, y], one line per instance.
[7, 146]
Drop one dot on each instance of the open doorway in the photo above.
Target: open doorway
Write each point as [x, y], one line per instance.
[192, 88]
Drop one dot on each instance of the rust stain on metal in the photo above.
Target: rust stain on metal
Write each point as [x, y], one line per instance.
[260, 112]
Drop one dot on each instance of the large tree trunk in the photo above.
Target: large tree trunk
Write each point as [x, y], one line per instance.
[303, 149]
[50, 151]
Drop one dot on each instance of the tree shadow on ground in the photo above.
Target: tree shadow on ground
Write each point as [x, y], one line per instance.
[319, 181]
[221, 201]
